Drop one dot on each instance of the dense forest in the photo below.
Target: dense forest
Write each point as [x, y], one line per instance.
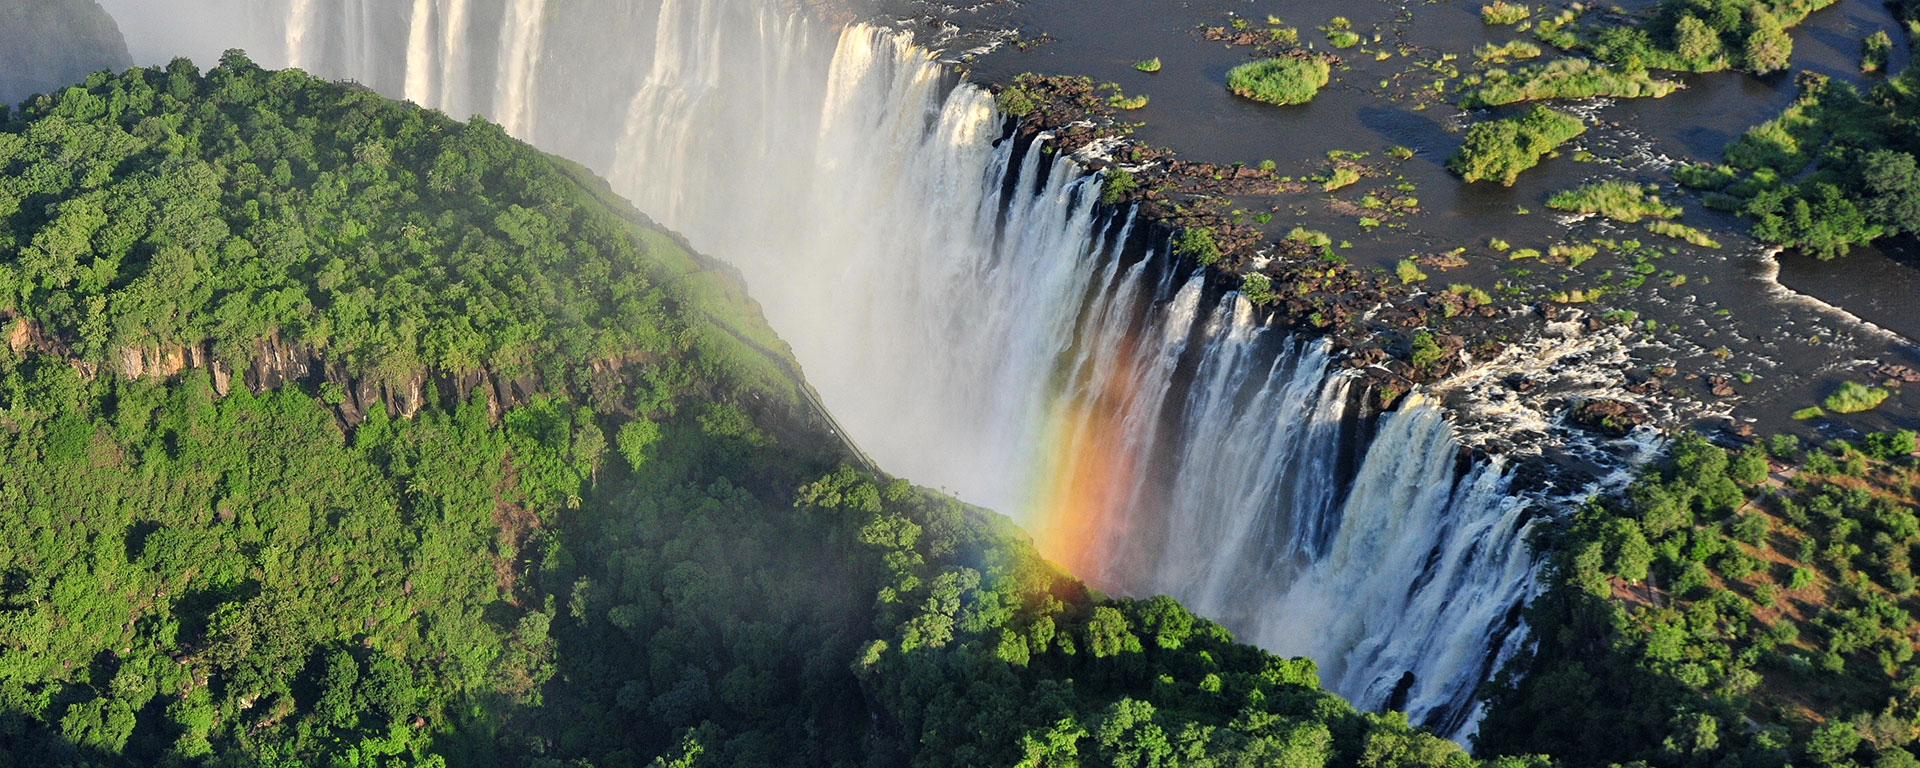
[336, 432]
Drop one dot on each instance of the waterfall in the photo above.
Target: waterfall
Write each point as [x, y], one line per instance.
[420, 53]
[978, 323]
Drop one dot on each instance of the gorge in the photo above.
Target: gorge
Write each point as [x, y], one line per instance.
[977, 322]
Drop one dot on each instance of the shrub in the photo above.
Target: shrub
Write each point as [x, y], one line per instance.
[1562, 79]
[1279, 81]
[1149, 66]
[1874, 51]
[1501, 149]
[1342, 176]
[1409, 272]
[1197, 243]
[1618, 200]
[1680, 231]
[1258, 290]
[1015, 102]
[1512, 49]
[1119, 183]
[1888, 446]
[1426, 353]
[1502, 13]
[1704, 176]
[1853, 397]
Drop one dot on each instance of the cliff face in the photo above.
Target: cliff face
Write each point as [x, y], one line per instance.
[48, 44]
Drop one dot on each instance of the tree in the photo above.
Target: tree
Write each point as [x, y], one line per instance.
[1695, 42]
[1892, 190]
[1768, 47]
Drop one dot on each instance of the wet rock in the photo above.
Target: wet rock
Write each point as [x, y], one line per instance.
[1738, 429]
[1897, 374]
[1521, 383]
[1720, 386]
[1442, 260]
[1613, 418]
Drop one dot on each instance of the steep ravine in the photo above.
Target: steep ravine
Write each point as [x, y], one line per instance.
[980, 323]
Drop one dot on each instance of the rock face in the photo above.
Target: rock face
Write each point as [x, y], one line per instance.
[1613, 418]
[48, 44]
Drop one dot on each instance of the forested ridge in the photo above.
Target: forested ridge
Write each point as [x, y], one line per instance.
[256, 507]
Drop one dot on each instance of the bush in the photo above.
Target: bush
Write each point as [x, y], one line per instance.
[1279, 81]
[1258, 290]
[1501, 149]
[1853, 397]
[1888, 446]
[1562, 79]
[1197, 243]
[1149, 66]
[1502, 13]
[1409, 272]
[1426, 353]
[1618, 200]
[1875, 51]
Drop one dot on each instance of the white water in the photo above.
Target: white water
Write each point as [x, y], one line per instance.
[949, 326]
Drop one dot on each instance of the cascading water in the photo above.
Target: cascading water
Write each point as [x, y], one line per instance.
[977, 322]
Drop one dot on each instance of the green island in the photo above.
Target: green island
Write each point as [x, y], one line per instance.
[1282, 81]
[1498, 150]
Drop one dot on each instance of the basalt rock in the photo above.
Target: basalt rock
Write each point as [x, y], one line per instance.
[1613, 418]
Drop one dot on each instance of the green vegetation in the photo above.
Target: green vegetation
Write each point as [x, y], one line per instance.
[50, 44]
[1196, 243]
[1875, 50]
[1283, 81]
[1681, 231]
[1149, 66]
[1258, 290]
[1510, 50]
[546, 491]
[1854, 397]
[1426, 354]
[1832, 171]
[1501, 149]
[1560, 79]
[1502, 13]
[1340, 177]
[1116, 185]
[1340, 33]
[1408, 272]
[1717, 615]
[1704, 36]
[1118, 101]
[1618, 200]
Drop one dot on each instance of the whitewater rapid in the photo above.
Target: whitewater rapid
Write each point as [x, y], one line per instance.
[975, 320]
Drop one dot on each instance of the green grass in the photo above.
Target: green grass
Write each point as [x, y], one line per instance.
[1340, 177]
[1149, 66]
[1502, 13]
[1618, 200]
[1809, 412]
[1409, 272]
[1279, 81]
[1854, 397]
[1675, 229]
[1561, 79]
[1513, 49]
